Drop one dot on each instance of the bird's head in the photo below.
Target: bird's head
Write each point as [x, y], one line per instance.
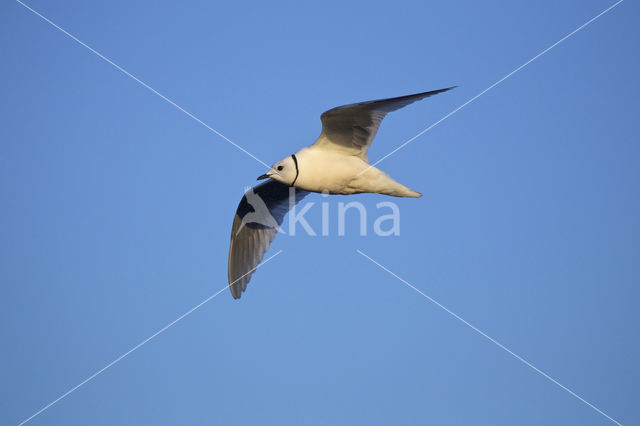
[284, 171]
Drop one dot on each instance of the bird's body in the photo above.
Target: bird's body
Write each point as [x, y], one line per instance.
[329, 171]
[336, 163]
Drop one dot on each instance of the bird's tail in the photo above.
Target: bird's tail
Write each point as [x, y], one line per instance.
[402, 191]
[382, 183]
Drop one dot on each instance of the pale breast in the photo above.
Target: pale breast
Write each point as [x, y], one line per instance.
[325, 170]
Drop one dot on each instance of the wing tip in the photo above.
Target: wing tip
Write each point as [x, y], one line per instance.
[446, 89]
[236, 288]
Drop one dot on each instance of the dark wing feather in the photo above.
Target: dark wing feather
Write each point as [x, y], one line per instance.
[351, 128]
[255, 225]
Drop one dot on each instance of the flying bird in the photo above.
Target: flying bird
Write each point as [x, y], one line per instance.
[336, 163]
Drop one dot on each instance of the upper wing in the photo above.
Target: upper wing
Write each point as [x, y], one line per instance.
[258, 217]
[351, 128]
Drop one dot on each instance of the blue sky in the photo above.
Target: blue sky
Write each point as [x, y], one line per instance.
[117, 210]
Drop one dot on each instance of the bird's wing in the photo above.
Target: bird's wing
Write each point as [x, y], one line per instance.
[258, 217]
[351, 128]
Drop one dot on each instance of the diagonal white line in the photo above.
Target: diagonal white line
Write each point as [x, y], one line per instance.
[136, 347]
[494, 85]
[142, 83]
[491, 339]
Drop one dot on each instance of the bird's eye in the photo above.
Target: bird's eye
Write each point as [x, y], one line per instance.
[280, 168]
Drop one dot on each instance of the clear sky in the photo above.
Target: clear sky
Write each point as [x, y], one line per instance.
[117, 209]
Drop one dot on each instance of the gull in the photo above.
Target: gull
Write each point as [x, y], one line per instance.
[336, 163]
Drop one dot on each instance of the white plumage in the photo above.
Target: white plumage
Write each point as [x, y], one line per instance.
[336, 163]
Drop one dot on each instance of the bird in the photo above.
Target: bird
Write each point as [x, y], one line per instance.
[336, 163]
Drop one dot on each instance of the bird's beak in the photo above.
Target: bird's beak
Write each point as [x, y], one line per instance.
[264, 176]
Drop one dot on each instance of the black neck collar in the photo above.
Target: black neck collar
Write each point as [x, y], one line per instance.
[295, 161]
